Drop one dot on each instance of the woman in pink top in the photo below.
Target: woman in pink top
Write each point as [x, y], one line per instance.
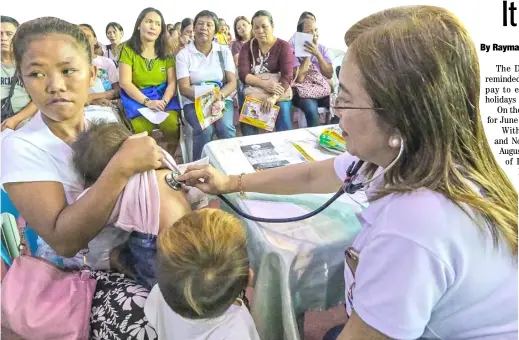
[436, 257]
[243, 33]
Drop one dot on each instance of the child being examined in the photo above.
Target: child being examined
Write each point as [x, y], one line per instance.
[146, 205]
[202, 270]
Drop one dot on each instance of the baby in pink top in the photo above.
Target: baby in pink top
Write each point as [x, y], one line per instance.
[145, 206]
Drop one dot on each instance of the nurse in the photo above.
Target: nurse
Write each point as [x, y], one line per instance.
[438, 246]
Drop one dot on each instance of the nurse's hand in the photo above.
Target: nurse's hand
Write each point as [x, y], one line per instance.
[206, 178]
[139, 153]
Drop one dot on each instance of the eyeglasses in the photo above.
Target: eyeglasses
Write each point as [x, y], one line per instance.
[334, 106]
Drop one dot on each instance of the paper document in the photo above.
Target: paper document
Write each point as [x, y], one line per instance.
[156, 117]
[251, 114]
[200, 90]
[205, 97]
[299, 44]
[264, 156]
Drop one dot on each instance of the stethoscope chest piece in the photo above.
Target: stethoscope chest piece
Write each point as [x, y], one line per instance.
[172, 182]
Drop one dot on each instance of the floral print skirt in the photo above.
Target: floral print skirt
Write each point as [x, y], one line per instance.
[118, 309]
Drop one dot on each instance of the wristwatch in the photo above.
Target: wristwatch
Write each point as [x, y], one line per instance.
[146, 101]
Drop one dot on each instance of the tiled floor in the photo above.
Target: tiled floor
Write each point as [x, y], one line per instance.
[318, 323]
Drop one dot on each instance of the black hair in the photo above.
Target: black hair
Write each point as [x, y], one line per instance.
[301, 25]
[114, 25]
[302, 18]
[90, 28]
[43, 26]
[186, 22]
[10, 20]
[177, 25]
[212, 15]
[306, 14]
[95, 147]
[135, 41]
[262, 13]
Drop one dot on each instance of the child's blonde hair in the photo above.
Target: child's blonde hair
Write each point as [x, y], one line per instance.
[202, 263]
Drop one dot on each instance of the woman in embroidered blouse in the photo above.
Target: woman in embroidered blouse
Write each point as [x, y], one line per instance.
[143, 63]
[271, 55]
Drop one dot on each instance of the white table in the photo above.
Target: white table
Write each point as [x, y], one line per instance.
[291, 275]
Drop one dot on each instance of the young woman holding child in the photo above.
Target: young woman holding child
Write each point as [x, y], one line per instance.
[54, 60]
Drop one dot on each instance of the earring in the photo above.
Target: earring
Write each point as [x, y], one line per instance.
[395, 142]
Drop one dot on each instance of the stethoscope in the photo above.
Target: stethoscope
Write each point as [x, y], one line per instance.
[349, 187]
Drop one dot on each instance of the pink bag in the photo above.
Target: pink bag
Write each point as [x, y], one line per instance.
[314, 86]
[41, 301]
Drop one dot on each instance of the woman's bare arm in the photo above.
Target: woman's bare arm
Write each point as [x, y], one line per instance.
[231, 84]
[125, 81]
[326, 67]
[313, 177]
[357, 329]
[108, 95]
[185, 88]
[66, 228]
[69, 228]
[171, 90]
[302, 71]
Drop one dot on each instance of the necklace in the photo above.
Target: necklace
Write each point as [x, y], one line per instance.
[149, 63]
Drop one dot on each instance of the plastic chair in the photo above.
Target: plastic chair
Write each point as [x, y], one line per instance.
[5, 255]
[186, 134]
[10, 239]
[10, 236]
[8, 207]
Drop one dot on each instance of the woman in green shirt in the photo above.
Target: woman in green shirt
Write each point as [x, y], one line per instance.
[143, 63]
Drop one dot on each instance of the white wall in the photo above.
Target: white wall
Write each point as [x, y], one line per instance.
[482, 18]
[333, 20]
